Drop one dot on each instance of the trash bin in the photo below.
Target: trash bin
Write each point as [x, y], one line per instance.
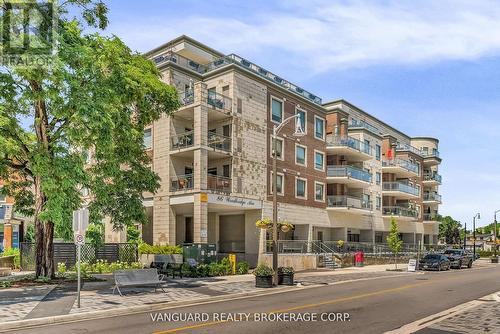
[359, 259]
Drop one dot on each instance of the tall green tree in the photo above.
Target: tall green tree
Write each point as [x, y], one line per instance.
[450, 230]
[393, 240]
[95, 96]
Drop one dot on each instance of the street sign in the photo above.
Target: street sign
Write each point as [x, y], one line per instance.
[412, 264]
[80, 220]
[79, 239]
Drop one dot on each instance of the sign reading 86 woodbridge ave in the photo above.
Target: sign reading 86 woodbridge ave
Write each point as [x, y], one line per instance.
[234, 201]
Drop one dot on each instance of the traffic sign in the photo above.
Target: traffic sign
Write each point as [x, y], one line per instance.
[80, 220]
[79, 239]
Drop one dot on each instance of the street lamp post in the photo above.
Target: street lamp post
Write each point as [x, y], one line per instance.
[496, 231]
[299, 132]
[478, 216]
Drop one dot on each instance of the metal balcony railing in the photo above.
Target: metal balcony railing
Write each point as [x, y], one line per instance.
[362, 124]
[408, 148]
[432, 177]
[219, 142]
[405, 164]
[348, 171]
[181, 61]
[346, 141]
[402, 187]
[182, 182]
[220, 184]
[219, 101]
[432, 154]
[399, 211]
[430, 216]
[345, 201]
[183, 140]
[432, 197]
[186, 97]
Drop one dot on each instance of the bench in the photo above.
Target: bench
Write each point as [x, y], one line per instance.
[137, 277]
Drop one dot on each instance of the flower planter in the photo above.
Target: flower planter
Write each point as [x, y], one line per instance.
[285, 228]
[494, 259]
[264, 281]
[285, 279]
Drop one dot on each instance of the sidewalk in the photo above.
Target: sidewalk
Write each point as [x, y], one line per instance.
[52, 300]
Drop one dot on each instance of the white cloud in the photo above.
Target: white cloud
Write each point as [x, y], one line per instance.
[323, 35]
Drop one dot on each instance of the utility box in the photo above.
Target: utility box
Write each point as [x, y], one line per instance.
[199, 253]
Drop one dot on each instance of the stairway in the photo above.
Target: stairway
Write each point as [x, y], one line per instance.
[329, 261]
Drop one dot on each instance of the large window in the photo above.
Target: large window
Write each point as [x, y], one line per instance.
[302, 119]
[319, 128]
[147, 139]
[276, 110]
[300, 188]
[379, 202]
[378, 150]
[378, 178]
[319, 160]
[279, 148]
[300, 155]
[319, 191]
[279, 183]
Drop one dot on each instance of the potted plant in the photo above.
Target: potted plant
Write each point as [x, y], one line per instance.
[264, 223]
[263, 276]
[286, 226]
[285, 275]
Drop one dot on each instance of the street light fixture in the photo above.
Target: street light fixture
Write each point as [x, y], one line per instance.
[478, 216]
[299, 132]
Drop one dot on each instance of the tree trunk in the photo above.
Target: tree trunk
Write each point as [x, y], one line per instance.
[49, 250]
[40, 269]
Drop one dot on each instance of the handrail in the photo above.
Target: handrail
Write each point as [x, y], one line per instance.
[182, 140]
[219, 101]
[433, 177]
[347, 141]
[402, 187]
[408, 148]
[182, 182]
[406, 164]
[348, 171]
[219, 142]
[432, 197]
[399, 211]
[334, 201]
[362, 124]
[219, 183]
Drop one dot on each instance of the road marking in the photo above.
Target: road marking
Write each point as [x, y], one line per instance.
[301, 307]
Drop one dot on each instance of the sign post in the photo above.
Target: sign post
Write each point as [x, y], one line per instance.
[412, 264]
[80, 224]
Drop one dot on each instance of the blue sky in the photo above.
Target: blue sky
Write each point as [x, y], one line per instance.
[430, 68]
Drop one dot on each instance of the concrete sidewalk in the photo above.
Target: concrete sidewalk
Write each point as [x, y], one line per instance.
[51, 300]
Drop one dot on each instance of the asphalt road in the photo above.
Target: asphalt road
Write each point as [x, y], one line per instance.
[373, 306]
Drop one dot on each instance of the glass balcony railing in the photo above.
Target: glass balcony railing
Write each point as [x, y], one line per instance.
[406, 164]
[434, 197]
[186, 97]
[430, 216]
[362, 124]
[219, 101]
[219, 142]
[220, 184]
[183, 140]
[408, 148]
[399, 211]
[432, 177]
[182, 182]
[345, 201]
[346, 141]
[181, 61]
[432, 154]
[349, 171]
[402, 187]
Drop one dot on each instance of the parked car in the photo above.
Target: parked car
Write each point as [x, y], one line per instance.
[459, 258]
[435, 262]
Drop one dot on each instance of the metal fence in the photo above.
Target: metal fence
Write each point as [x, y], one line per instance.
[66, 253]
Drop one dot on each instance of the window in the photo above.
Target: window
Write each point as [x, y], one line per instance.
[226, 170]
[300, 188]
[302, 119]
[319, 160]
[319, 128]
[378, 178]
[378, 203]
[279, 183]
[366, 148]
[319, 191]
[300, 155]
[276, 110]
[279, 148]
[378, 150]
[147, 139]
[212, 171]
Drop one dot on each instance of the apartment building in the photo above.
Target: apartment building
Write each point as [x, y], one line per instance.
[11, 226]
[342, 180]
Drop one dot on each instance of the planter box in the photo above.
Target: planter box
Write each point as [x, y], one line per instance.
[263, 281]
[285, 279]
[147, 259]
[494, 259]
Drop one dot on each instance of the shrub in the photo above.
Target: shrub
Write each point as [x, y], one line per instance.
[242, 268]
[286, 270]
[157, 249]
[103, 267]
[16, 253]
[43, 279]
[5, 284]
[484, 253]
[225, 267]
[263, 270]
[61, 269]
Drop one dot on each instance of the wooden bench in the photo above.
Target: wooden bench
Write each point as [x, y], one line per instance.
[137, 277]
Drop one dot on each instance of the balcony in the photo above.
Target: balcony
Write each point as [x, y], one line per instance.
[182, 183]
[219, 142]
[400, 190]
[219, 184]
[400, 167]
[182, 141]
[350, 147]
[432, 179]
[186, 97]
[356, 124]
[432, 198]
[346, 203]
[352, 176]
[408, 148]
[431, 158]
[399, 211]
[431, 217]
[219, 101]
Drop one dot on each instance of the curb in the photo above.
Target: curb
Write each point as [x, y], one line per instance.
[68, 318]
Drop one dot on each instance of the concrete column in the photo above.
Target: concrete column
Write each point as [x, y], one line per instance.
[163, 222]
[200, 218]
[200, 167]
[310, 238]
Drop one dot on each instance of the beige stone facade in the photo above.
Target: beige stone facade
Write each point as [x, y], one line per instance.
[214, 158]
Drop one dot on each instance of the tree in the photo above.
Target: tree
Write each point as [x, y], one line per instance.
[95, 234]
[450, 230]
[395, 243]
[95, 96]
[133, 235]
